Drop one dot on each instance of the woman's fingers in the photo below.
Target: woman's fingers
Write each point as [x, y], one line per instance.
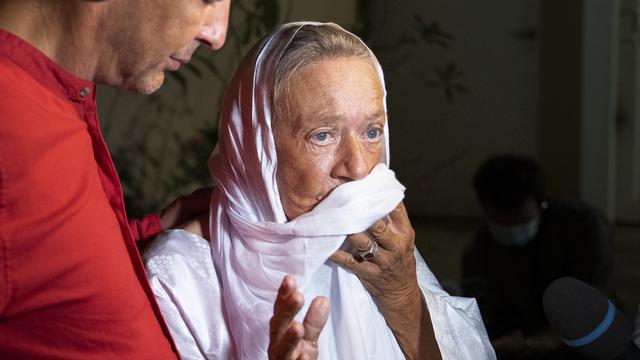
[316, 318]
[399, 219]
[360, 241]
[352, 262]
[396, 233]
[289, 345]
[391, 271]
[288, 338]
[381, 233]
[345, 259]
[288, 302]
[385, 232]
[285, 334]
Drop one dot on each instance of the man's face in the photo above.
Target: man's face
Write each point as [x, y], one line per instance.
[530, 210]
[331, 132]
[144, 38]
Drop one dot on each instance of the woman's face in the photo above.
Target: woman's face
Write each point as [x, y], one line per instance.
[329, 131]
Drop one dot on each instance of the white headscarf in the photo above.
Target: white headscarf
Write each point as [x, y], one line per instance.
[253, 244]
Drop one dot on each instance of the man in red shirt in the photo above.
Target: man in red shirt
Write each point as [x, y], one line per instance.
[72, 285]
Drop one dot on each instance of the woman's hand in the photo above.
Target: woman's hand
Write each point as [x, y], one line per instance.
[390, 277]
[289, 339]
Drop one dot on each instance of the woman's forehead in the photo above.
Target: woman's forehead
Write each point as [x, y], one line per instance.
[334, 87]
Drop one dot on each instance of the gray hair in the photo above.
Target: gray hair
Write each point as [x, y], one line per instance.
[311, 44]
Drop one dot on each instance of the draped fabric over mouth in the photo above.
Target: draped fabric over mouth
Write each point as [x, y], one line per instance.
[254, 245]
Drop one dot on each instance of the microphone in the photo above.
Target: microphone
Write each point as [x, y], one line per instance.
[587, 321]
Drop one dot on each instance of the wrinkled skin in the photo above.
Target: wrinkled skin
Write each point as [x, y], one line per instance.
[329, 131]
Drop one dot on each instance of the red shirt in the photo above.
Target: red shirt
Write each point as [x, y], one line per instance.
[72, 284]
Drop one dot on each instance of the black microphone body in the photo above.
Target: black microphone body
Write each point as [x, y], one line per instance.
[588, 322]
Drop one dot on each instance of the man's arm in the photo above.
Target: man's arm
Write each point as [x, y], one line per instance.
[145, 228]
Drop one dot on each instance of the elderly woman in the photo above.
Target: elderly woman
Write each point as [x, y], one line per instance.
[303, 189]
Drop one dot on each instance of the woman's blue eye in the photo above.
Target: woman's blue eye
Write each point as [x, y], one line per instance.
[321, 136]
[373, 133]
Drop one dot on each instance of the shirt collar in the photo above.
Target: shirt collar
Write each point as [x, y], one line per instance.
[44, 70]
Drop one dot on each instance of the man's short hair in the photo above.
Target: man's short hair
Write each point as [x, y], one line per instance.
[506, 181]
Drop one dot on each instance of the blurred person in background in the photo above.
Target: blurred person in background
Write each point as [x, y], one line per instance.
[526, 242]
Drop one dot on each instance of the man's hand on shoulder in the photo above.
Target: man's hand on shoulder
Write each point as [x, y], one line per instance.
[186, 208]
[288, 338]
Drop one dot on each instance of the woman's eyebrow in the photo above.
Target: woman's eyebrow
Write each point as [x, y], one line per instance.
[328, 117]
[378, 115]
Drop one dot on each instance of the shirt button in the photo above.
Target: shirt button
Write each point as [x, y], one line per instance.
[85, 91]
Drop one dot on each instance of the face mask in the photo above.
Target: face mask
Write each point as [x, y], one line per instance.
[518, 235]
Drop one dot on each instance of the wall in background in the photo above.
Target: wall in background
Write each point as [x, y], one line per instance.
[628, 118]
[436, 145]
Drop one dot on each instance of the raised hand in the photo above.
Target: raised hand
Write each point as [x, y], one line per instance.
[289, 339]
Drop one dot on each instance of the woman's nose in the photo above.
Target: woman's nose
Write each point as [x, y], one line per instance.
[351, 163]
[214, 30]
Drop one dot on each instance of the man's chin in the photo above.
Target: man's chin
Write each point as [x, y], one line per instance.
[146, 85]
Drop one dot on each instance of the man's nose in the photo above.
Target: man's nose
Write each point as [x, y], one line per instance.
[351, 163]
[214, 30]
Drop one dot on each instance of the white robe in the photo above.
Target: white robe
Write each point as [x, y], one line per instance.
[184, 280]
